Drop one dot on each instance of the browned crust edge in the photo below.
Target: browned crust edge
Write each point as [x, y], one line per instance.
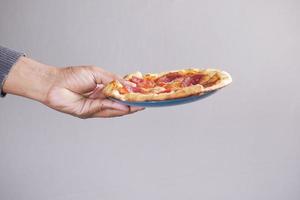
[111, 90]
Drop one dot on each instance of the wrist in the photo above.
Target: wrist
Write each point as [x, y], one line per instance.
[31, 79]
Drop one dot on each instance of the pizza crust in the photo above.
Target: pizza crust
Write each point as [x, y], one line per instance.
[224, 80]
[214, 80]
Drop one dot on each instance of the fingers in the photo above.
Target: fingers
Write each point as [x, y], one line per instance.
[109, 108]
[108, 104]
[115, 113]
[105, 77]
[96, 93]
[97, 105]
[109, 113]
[133, 109]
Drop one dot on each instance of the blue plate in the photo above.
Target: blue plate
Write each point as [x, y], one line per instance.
[171, 102]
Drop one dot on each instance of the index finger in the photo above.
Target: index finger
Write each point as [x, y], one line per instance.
[105, 77]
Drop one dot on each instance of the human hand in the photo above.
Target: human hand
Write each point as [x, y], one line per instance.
[72, 90]
[78, 91]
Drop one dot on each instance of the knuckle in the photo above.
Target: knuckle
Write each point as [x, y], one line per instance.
[101, 107]
[81, 114]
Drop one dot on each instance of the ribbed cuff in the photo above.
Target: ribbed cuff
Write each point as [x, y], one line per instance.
[8, 58]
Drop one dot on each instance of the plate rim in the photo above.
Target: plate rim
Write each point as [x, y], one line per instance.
[158, 102]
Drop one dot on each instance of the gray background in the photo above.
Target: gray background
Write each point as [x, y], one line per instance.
[242, 143]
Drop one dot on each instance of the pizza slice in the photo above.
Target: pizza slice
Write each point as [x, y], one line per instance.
[168, 85]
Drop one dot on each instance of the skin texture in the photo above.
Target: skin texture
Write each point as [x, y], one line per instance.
[73, 90]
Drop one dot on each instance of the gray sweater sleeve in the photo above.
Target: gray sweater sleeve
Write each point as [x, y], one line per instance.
[8, 58]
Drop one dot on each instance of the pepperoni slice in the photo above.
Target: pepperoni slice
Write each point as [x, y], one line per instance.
[147, 84]
[169, 81]
[187, 81]
[137, 89]
[173, 75]
[143, 83]
[161, 84]
[196, 79]
[191, 80]
[168, 77]
[165, 91]
[132, 89]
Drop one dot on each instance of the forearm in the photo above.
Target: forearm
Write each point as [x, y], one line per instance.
[31, 79]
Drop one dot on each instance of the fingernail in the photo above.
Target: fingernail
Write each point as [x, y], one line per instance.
[137, 108]
[122, 107]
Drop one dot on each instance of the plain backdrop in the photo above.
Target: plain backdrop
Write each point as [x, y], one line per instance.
[241, 143]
